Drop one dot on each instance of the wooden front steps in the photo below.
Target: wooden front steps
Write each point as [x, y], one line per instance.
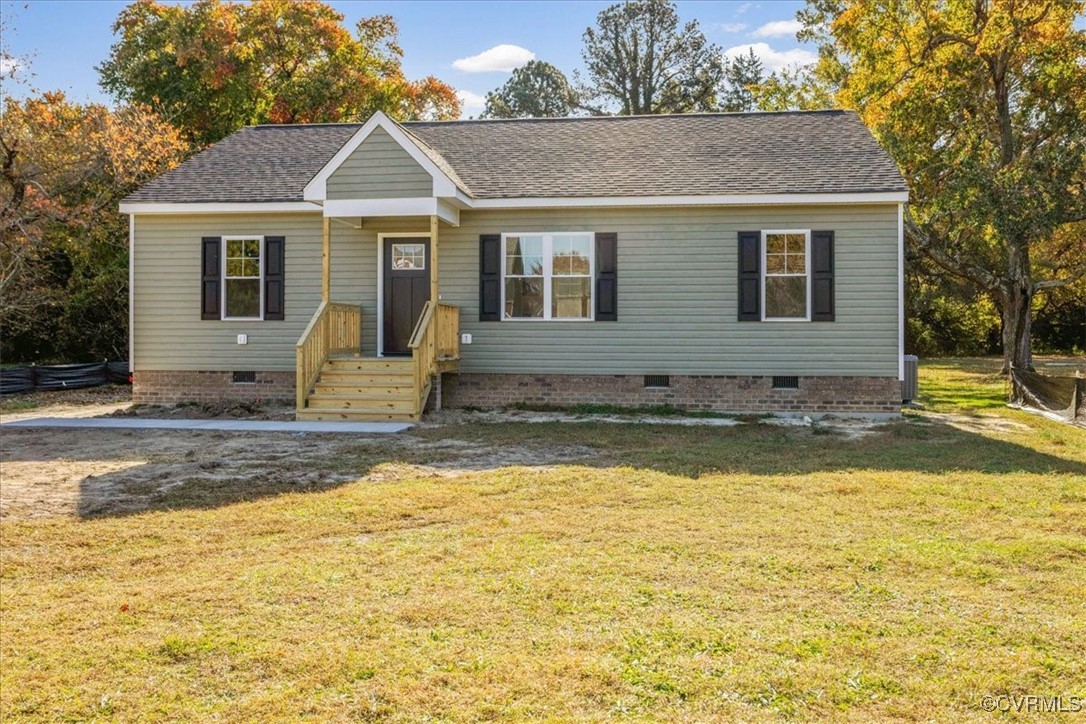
[356, 389]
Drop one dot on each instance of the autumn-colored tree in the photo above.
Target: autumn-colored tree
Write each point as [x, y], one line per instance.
[63, 245]
[215, 66]
[983, 106]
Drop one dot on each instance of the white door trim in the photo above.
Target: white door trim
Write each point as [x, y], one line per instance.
[381, 277]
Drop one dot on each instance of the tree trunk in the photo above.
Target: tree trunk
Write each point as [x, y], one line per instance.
[1017, 297]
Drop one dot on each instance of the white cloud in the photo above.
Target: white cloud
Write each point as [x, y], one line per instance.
[9, 66]
[743, 8]
[471, 104]
[773, 59]
[779, 29]
[501, 58]
[731, 27]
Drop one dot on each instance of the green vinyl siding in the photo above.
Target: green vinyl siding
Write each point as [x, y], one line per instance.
[379, 169]
[677, 293]
[169, 334]
[678, 296]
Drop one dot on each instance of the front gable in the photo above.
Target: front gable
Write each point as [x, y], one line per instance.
[381, 137]
[384, 171]
[379, 168]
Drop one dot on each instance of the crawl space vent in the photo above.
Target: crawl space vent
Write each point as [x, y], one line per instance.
[245, 378]
[657, 381]
[785, 383]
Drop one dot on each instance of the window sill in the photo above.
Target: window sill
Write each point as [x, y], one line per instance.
[537, 320]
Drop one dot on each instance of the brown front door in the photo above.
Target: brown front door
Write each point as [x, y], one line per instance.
[407, 289]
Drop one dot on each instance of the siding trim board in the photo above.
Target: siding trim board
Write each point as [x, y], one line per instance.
[901, 292]
[131, 293]
[566, 202]
[240, 207]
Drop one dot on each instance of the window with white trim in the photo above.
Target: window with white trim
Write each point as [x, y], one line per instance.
[243, 277]
[786, 288]
[547, 275]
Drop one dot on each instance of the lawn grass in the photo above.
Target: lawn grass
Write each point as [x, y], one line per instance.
[658, 572]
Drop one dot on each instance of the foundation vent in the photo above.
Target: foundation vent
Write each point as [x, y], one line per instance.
[245, 378]
[657, 380]
[785, 383]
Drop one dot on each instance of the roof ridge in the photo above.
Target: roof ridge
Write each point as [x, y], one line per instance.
[335, 124]
[642, 116]
[560, 119]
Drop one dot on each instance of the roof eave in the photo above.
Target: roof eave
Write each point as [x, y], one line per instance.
[541, 202]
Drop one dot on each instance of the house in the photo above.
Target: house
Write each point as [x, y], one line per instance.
[734, 262]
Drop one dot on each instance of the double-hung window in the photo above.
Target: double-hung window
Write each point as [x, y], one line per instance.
[547, 275]
[243, 277]
[786, 287]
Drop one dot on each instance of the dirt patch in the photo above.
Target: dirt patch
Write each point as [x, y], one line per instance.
[98, 472]
[223, 410]
[466, 417]
[90, 402]
[102, 472]
[979, 423]
[452, 458]
[90, 473]
[852, 428]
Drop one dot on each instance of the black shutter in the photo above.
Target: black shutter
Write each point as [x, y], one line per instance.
[210, 294]
[822, 301]
[490, 277]
[750, 282]
[606, 277]
[274, 290]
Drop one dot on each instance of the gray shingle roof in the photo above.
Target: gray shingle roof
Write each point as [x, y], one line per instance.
[704, 154]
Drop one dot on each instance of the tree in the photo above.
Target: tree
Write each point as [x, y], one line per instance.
[639, 58]
[535, 90]
[983, 106]
[215, 66]
[793, 88]
[64, 167]
[742, 75]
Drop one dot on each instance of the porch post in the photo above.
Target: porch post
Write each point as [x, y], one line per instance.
[433, 259]
[326, 261]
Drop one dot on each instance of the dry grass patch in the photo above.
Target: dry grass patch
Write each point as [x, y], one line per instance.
[652, 572]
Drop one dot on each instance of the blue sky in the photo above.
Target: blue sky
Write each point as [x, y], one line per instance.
[63, 41]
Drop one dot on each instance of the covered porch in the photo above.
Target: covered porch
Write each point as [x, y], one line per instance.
[417, 334]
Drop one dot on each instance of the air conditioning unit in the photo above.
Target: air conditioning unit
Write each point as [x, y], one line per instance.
[910, 386]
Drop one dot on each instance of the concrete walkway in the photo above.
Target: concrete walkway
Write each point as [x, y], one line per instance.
[135, 423]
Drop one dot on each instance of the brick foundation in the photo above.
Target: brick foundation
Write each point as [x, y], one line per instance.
[732, 393]
[166, 387]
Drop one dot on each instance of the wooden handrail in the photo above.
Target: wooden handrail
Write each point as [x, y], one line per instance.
[335, 327]
[436, 338]
[421, 326]
[422, 355]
